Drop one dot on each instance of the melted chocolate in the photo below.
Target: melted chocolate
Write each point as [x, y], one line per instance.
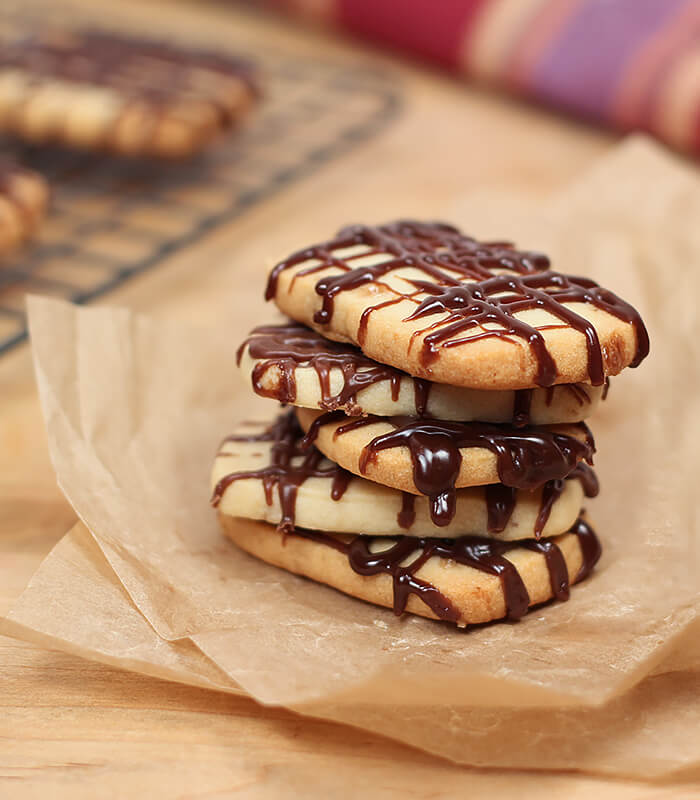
[285, 436]
[526, 458]
[470, 284]
[522, 402]
[486, 555]
[288, 442]
[286, 347]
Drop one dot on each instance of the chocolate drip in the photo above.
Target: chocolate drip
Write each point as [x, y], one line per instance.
[471, 285]
[501, 500]
[522, 402]
[553, 490]
[341, 480]
[590, 548]
[407, 516]
[486, 555]
[421, 393]
[500, 504]
[556, 566]
[526, 458]
[285, 436]
[286, 347]
[588, 478]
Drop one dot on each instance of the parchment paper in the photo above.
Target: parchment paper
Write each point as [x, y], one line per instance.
[135, 409]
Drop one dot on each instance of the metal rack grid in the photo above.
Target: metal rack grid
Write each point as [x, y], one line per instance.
[111, 218]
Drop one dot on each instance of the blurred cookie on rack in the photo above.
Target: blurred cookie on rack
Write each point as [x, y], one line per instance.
[134, 97]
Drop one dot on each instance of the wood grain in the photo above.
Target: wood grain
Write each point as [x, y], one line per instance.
[73, 729]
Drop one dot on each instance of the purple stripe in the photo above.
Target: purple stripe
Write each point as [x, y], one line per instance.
[581, 68]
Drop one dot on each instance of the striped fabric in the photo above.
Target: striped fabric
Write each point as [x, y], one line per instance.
[633, 64]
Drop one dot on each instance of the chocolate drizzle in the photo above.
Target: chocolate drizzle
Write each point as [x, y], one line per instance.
[526, 458]
[522, 402]
[405, 555]
[472, 286]
[286, 347]
[501, 500]
[285, 436]
[287, 444]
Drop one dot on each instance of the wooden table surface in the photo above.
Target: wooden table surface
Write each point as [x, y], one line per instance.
[71, 728]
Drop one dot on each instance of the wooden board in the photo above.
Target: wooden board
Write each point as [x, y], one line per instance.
[70, 728]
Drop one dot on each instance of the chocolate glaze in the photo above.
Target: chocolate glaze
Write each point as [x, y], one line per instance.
[287, 443]
[486, 555]
[526, 458]
[286, 347]
[500, 283]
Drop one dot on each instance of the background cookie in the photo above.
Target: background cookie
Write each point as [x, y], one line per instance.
[103, 91]
[24, 195]
[431, 582]
[432, 457]
[262, 473]
[426, 299]
[295, 364]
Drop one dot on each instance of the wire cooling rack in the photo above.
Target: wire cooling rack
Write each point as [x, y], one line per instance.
[111, 218]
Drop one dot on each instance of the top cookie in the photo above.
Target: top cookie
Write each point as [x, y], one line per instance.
[424, 298]
[104, 91]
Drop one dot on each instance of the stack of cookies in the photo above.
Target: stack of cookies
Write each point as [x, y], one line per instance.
[435, 459]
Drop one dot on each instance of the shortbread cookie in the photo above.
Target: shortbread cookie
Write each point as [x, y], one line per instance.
[103, 91]
[294, 364]
[426, 299]
[24, 195]
[465, 581]
[433, 457]
[261, 472]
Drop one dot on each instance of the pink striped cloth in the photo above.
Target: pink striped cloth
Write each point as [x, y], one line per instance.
[632, 64]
